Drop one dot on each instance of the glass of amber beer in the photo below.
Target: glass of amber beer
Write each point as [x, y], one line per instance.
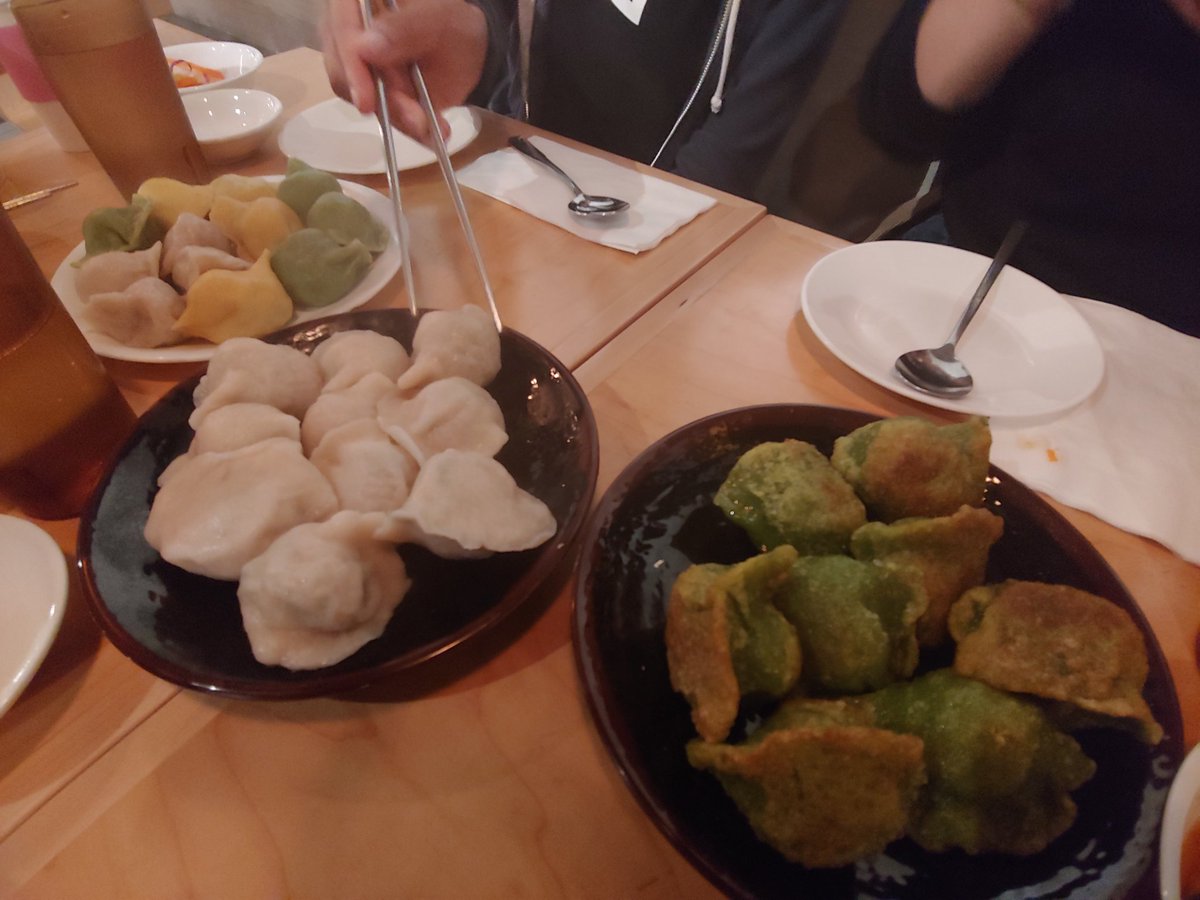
[61, 416]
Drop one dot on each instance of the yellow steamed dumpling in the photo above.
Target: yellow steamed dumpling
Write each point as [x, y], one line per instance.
[168, 198]
[242, 187]
[255, 226]
[223, 304]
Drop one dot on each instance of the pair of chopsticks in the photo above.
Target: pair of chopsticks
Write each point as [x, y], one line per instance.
[443, 158]
[36, 195]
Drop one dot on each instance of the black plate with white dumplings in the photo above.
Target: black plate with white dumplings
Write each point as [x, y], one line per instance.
[187, 629]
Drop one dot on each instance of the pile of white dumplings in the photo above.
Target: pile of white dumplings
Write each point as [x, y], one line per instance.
[305, 471]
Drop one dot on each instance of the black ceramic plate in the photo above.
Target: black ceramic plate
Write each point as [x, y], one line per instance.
[658, 518]
[187, 629]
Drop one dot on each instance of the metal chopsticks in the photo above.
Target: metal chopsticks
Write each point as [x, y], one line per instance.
[393, 176]
[36, 195]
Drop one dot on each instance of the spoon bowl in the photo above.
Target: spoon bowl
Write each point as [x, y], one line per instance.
[583, 203]
[937, 370]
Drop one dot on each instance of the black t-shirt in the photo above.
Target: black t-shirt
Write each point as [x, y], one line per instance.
[590, 53]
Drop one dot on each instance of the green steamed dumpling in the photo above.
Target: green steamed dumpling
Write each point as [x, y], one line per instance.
[316, 270]
[303, 185]
[129, 227]
[345, 219]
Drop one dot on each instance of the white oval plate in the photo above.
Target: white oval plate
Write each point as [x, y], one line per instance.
[1029, 351]
[234, 61]
[1181, 815]
[33, 595]
[384, 266]
[336, 137]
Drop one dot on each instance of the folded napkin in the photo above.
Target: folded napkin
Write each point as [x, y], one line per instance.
[657, 208]
[1130, 453]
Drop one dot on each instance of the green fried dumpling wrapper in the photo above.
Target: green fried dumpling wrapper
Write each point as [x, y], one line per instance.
[1000, 772]
[856, 623]
[131, 227]
[303, 185]
[907, 467]
[949, 552]
[787, 492]
[345, 220]
[1060, 643]
[818, 783]
[726, 640]
[316, 270]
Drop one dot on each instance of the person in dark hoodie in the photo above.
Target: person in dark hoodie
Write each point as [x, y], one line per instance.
[1080, 116]
[702, 88]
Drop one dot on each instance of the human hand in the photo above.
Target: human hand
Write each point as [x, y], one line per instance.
[447, 38]
[1189, 11]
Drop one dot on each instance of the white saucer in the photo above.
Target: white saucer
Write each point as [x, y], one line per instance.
[234, 61]
[383, 267]
[336, 137]
[33, 595]
[1181, 815]
[1029, 351]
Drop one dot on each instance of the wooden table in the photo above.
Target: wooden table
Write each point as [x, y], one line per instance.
[479, 774]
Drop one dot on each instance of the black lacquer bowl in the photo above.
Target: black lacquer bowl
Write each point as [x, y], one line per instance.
[658, 518]
[188, 630]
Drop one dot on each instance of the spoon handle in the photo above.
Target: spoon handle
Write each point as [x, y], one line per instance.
[519, 143]
[1015, 232]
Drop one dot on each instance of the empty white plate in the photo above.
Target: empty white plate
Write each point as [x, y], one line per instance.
[336, 137]
[33, 595]
[1029, 351]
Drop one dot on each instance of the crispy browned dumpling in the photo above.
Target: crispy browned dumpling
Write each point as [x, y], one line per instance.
[786, 492]
[906, 467]
[950, 552]
[1057, 642]
[726, 640]
[821, 792]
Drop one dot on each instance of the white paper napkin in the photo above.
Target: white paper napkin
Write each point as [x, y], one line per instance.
[657, 208]
[1129, 454]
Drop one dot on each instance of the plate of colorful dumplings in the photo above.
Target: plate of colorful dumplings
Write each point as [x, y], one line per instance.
[341, 501]
[184, 267]
[834, 655]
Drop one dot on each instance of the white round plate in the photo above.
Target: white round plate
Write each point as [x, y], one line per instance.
[1029, 351]
[234, 61]
[1181, 815]
[336, 137]
[384, 266]
[33, 595]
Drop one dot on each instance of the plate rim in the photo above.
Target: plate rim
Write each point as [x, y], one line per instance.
[966, 405]
[383, 268]
[312, 683]
[51, 608]
[614, 733]
[472, 113]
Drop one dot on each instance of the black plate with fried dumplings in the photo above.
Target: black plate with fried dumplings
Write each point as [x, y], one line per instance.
[658, 518]
[188, 629]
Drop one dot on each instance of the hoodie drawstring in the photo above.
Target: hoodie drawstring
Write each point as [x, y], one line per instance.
[718, 97]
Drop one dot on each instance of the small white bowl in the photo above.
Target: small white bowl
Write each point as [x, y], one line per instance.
[234, 61]
[1180, 816]
[231, 123]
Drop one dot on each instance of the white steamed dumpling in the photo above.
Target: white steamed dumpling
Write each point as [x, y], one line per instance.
[141, 315]
[347, 356]
[190, 230]
[450, 413]
[320, 591]
[367, 470]
[334, 408]
[239, 425]
[116, 270]
[192, 262]
[453, 342]
[247, 370]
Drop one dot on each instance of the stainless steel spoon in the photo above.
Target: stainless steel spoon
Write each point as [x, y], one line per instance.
[937, 370]
[583, 204]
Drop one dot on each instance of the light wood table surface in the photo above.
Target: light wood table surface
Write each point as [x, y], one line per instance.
[479, 774]
[89, 711]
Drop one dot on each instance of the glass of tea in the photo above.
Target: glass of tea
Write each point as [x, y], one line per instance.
[62, 418]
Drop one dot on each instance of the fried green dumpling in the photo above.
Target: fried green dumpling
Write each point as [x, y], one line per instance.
[787, 492]
[345, 220]
[950, 552]
[316, 270]
[818, 783]
[303, 185]
[856, 623]
[907, 467]
[726, 640]
[129, 227]
[1056, 642]
[1000, 773]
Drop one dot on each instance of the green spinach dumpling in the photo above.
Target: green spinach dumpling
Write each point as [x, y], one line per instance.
[303, 185]
[316, 270]
[345, 219]
[129, 227]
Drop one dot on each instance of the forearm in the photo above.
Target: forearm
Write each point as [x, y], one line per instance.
[964, 47]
